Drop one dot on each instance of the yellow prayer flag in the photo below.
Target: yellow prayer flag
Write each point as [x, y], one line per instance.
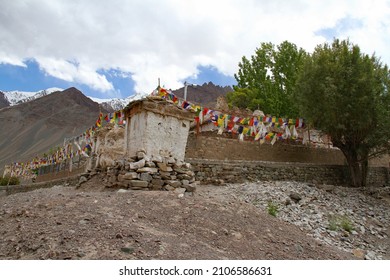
[220, 122]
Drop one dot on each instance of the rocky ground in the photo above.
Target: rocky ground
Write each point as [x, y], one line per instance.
[214, 222]
[352, 220]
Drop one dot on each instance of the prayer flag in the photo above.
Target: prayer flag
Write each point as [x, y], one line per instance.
[257, 137]
[273, 140]
[220, 122]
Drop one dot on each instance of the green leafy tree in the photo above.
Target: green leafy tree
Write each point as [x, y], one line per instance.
[344, 93]
[268, 80]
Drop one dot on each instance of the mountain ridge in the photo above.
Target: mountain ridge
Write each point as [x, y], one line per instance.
[205, 94]
[32, 128]
[15, 97]
[3, 100]
[116, 104]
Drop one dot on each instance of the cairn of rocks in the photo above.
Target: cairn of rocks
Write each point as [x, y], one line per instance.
[151, 173]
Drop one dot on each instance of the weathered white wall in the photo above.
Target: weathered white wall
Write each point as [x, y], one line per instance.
[157, 135]
[135, 133]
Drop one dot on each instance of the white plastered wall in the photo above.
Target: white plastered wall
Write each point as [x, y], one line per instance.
[157, 134]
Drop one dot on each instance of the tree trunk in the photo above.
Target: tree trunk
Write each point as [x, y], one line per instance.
[364, 172]
[357, 170]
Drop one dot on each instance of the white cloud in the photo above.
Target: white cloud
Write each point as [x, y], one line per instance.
[11, 59]
[74, 72]
[170, 39]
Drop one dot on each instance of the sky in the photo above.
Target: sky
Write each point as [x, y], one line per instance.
[117, 48]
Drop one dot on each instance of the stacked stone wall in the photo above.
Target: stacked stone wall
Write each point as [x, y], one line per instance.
[142, 172]
[237, 171]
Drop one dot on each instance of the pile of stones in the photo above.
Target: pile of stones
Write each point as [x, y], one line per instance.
[151, 173]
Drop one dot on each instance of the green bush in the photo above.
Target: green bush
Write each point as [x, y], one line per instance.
[337, 222]
[346, 224]
[7, 180]
[272, 208]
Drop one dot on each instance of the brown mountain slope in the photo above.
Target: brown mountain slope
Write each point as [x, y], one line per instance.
[205, 94]
[32, 128]
[3, 101]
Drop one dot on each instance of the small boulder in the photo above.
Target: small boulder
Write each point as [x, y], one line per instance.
[164, 167]
[122, 191]
[157, 158]
[147, 170]
[190, 188]
[174, 183]
[141, 154]
[146, 177]
[180, 190]
[137, 165]
[82, 180]
[296, 197]
[139, 184]
[130, 176]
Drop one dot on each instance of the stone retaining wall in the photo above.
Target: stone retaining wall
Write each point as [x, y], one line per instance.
[217, 171]
[210, 145]
[7, 190]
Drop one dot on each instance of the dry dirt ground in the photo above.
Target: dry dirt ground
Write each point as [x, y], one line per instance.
[92, 223]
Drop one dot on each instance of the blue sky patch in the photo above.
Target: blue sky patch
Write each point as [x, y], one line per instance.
[30, 78]
[211, 73]
[342, 27]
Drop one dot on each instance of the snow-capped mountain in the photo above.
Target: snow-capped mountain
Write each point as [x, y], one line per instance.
[115, 104]
[11, 98]
[110, 104]
[17, 97]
